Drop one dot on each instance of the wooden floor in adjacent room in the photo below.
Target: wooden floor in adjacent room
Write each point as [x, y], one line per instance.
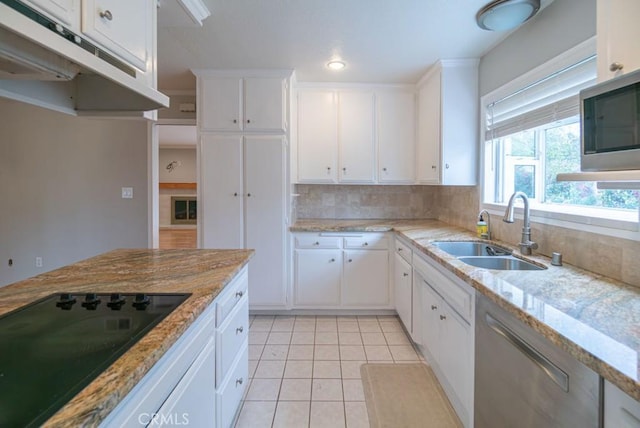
[178, 238]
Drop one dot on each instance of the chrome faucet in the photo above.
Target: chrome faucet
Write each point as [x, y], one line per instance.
[488, 217]
[526, 244]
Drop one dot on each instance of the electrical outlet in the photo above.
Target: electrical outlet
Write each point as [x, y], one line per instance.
[38, 261]
[127, 193]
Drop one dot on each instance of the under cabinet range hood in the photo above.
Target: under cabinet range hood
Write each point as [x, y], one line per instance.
[44, 63]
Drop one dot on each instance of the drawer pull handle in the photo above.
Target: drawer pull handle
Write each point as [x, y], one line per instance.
[235, 120]
[332, 260]
[316, 243]
[365, 244]
[443, 317]
[239, 330]
[239, 294]
[106, 15]
[239, 381]
[405, 274]
[434, 307]
[399, 249]
[350, 260]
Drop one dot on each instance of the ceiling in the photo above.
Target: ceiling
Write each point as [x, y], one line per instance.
[382, 41]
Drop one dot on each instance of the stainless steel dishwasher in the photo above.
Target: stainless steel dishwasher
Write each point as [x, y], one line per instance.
[522, 380]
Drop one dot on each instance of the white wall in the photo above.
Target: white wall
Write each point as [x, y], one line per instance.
[560, 26]
[185, 173]
[60, 188]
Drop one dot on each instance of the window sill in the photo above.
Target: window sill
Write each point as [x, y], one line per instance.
[619, 223]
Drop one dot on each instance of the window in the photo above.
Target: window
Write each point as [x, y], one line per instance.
[532, 133]
[184, 210]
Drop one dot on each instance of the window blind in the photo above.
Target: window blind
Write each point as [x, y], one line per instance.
[553, 98]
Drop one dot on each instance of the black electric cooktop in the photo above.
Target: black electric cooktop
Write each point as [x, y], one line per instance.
[54, 347]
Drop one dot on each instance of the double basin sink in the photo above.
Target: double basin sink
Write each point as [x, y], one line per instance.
[486, 256]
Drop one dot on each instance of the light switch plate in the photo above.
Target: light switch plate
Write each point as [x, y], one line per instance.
[127, 193]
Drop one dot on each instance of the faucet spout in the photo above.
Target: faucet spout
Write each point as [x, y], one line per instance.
[526, 244]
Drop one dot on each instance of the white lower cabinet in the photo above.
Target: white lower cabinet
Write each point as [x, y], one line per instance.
[365, 280]
[620, 409]
[201, 379]
[402, 288]
[184, 405]
[317, 277]
[341, 271]
[448, 334]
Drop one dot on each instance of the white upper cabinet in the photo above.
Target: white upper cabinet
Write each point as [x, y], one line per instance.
[317, 137]
[264, 104]
[66, 12]
[236, 104]
[396, 137]
[125, 28]
[448, 123]
[618, 38]
[220, 100]
[356, 137]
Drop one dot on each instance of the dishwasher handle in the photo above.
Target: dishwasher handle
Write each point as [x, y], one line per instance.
[549, 368]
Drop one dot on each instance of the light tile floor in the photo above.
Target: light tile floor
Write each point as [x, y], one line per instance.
[305, 370]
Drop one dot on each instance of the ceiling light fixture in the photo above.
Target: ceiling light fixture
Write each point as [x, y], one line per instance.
[500, 15]
[336, 65]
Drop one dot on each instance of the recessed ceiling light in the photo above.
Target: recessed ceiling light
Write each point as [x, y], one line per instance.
[500, 15]
[336, 64]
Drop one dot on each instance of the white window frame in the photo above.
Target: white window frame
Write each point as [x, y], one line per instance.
[610, 222]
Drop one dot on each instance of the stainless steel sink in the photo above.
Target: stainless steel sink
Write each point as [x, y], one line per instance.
[500, 263]
[471, 248]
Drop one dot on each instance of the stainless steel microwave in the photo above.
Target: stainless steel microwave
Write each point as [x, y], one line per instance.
[610, 119]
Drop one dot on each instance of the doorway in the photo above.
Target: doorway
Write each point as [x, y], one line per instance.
[177, 186]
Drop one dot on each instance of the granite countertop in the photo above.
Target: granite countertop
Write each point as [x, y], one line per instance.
[204, 273]
[594, 318]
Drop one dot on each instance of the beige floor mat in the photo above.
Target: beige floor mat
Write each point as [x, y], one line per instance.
[405, 396]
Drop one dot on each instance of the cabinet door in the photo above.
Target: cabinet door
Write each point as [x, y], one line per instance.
[428, 149]
[431, 305]
[416, 311]
[396, 137]
[620, 409]
[356, 138]
[618, 36]
[265, 228]
[126, 28]
[403, 282]
[221, 213]
[317, 277]
[220, 104]
[264, 104]
[193, 401]
[317, 137]
[366, 281]
[456, 359]
[64, 11]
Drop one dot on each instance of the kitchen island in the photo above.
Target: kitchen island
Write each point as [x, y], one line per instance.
[202, 273]
[593, 318]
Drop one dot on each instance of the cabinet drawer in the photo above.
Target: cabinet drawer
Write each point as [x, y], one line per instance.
[230, 338]
[367, 242]
[232, 390]
[458, 298]
[232, 294]
[313, 240]
[403, 250]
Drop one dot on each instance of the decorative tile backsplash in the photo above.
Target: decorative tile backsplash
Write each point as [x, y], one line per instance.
[458, 206]
[365, 202]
